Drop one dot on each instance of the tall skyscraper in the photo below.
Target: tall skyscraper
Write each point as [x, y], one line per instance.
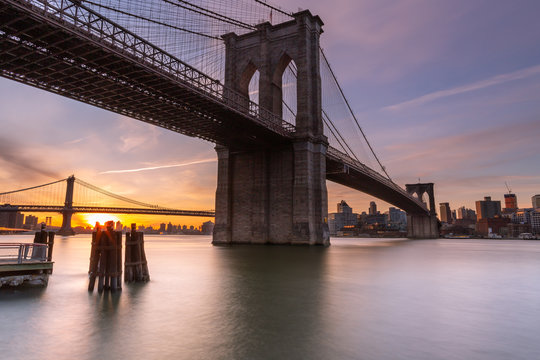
[372, 208]
[535, 201]
[446, 214]
[510, 201]
[487, 208]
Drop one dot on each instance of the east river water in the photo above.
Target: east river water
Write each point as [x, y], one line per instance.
[358, 299]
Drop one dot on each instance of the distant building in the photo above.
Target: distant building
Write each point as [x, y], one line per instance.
[466, 214]
[515, 229]
[510, 201]
[30, 222]
[397, 219]
[535, 222]
[536, 201]
[446, 214]
[118, 226]
[372, 208]
[207, 228]
[487, 208]
[11, 219]
[522, 216]
[485, 226]
[344, 217]
[162, 228]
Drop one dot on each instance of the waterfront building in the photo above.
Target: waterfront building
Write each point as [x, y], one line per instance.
[344, 217]
[522, 216]
[535, 221]
[536, 201]
[515, 229]
[397, 219]
[446, 214]
[487, 208]
[485, 226]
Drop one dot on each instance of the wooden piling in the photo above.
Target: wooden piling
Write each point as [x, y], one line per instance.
[43, 237]
[106, 259]
[135, 266]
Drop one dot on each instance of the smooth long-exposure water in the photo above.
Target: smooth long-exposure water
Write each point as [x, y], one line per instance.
[357, 299]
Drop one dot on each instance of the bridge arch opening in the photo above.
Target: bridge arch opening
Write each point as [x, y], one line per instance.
[249, 84]
[285, 90]
[253, 88]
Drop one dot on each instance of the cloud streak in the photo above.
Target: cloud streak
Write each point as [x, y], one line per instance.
[478, 85]
[12, 154]
[159, 167]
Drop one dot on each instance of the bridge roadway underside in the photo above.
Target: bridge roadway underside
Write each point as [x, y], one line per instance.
[42, 51]
[352, 178]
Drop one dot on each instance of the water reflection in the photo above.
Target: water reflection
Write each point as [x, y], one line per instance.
[358, 299]
[271, 301]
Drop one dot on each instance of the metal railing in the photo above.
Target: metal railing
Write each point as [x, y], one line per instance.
[72, 14]
[20, 253]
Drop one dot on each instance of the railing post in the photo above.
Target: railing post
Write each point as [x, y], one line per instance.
[19, 257]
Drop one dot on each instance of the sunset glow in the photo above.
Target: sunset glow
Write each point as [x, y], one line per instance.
[91, 219]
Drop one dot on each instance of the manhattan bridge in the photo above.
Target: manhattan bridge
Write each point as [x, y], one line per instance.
[245, 75]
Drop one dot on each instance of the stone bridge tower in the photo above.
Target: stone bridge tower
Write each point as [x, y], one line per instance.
[423, 226]
[276, 194]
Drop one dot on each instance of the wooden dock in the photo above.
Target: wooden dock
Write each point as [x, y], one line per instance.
[27, 262]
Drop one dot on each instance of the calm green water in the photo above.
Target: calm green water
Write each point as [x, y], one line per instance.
[358, 299]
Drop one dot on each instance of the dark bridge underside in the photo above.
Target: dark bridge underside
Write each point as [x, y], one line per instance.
[371, 183]
[41, 50]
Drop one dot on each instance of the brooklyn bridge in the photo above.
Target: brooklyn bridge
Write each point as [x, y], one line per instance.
[250, 78]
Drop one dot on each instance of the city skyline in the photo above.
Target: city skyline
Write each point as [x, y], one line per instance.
[447, 93]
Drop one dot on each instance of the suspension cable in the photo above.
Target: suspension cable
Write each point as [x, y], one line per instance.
[352, 113]
[151, 20]
[340, 136]
[119, 197]
[273, 8]
[211, 14]
[33, 187]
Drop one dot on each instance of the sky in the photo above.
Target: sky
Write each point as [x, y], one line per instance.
[447, 92]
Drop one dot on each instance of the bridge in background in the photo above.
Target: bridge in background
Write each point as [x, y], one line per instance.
[271, 172]
[69, 196]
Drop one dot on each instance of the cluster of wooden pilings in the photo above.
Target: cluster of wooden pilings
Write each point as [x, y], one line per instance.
[135, 266]
[106, 258]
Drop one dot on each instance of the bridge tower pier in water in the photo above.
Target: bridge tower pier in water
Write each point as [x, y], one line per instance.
[276, 194]
[423, 226]
[67, 212]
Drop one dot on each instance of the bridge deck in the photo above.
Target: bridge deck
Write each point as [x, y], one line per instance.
[72, 51]
[348, 172]
[65, 48]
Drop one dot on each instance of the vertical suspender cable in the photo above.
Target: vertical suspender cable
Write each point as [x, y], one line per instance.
[354, 116]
